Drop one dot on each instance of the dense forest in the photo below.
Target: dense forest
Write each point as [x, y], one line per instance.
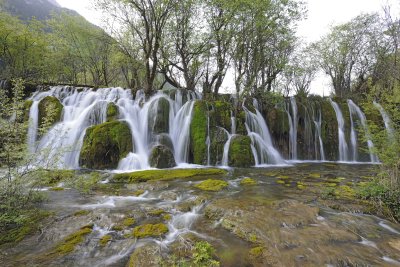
[204, 79]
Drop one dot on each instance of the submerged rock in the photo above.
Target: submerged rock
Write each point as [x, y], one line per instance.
[104, 145]
[161, 157]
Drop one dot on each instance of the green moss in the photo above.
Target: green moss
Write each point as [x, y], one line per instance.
[301, 185]
[104, 240]
[52, 178]
[198, 133]
[212, 185]
[81, 213]
[248, 181]
[150, 230]
[27, 108]
[128, 222]
[69, 244]
[138, 193]
[256, 252]
[163, 175]
[156, 212]
[167, 217]
[57, 189]
[28, 223]
[345, 191]
[112, 112]
[314, 175]
[117, 227]
[104, 145]
[280, 181]
[283, 177]
[240, 154]
[50, 110]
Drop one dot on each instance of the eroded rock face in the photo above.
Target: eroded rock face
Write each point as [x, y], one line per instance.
[104, 145]
[161, 157]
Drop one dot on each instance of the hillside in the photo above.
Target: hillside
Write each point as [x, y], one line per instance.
[26, 9]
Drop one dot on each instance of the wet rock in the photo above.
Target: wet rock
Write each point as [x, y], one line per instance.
[162, 157]
[169, 195]
[104, 145]
[165, 140]
[148, 255]
[159, 120]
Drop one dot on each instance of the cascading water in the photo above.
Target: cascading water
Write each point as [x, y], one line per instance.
[343, 148]
[293, 119]
[225, 156]
[262, 147]
[386, 120]
[355, 110]
[317, 124]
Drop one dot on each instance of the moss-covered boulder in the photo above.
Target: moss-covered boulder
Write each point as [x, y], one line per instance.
[212, 185]
[198, 133]
[161, 157]
[104, 145]
[218, 140]
[50, 110]
[112, 112]
[240, 154]
[159, 120]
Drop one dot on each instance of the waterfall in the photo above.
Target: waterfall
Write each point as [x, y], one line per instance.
[386, 120]
[355, 110]
[293, 120]
[317, 124]
[262, 147]
[225, 155]
[343, 148]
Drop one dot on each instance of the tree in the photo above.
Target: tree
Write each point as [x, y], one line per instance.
[347, 53]
[182, 52]
[143, 22]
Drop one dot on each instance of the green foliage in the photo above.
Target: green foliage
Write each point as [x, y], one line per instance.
[50, 109]
[240, 153]
[198, 133]
[203, 254]
[164, 175]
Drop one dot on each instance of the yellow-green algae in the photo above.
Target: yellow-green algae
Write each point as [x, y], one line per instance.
[212, 185]
[163, 175]
[156, 212]
[104, 240]
[57, 188]
[167, 217]
[248, 181]
[69, 244]
[138, 193]
[256, 252]
[150, 230]
[128, 222]
[81, 213]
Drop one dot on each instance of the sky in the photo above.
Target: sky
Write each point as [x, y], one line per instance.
[321, 15]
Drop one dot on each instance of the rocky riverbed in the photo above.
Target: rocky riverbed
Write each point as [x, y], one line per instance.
[301, 215]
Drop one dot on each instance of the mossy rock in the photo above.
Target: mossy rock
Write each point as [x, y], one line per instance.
[164, 175]
[161, 157]
[104, 145]
[159, 121]
[248, 181]
[104, 240]
[27, 109]
[218, 140]
[198, 133]
[212, 185]
[112, 112]
[240, 154]
[50, 110]
[69, 244]
[150, 230]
